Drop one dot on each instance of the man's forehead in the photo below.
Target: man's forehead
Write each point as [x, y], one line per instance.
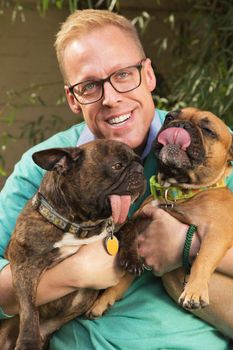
[93, 59]
[92, 71]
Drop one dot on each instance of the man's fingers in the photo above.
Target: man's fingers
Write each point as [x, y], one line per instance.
[151, 212]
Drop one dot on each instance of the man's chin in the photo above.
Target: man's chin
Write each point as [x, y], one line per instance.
[134, 144]
[132, 140]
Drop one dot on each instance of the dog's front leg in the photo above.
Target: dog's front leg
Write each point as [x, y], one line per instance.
[109, 297]
[129, 260]
[213, 248]
[25, 281]
[128, 254]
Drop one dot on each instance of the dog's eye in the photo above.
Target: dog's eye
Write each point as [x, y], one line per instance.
[169, 118]
[117, 166]
[208, 132]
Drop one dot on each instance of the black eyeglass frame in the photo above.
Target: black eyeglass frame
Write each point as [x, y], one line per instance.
[108, 79]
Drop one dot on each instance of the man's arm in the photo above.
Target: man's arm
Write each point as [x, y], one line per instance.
[161, 245]
[91, 267]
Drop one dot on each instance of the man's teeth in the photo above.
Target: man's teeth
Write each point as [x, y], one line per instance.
[120, 119]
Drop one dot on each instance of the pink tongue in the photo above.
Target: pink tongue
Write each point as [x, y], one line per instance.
[175, 136]
[120, 207]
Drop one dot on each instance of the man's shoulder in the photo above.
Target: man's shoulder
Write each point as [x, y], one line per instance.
[229, 180]
[65, 138]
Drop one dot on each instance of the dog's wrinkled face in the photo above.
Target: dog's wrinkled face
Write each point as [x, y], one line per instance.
[97, 180]
[193, 147]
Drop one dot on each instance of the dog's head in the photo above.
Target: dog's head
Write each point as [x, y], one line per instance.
[96, 180]
[193, 147]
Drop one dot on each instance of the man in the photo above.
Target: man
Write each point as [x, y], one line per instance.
[109, 79]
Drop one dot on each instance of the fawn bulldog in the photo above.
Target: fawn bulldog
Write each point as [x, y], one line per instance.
[86, 191]
[194, 150]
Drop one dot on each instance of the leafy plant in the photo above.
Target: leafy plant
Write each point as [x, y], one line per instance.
[203, 59]
[34, 131]
[42, 6]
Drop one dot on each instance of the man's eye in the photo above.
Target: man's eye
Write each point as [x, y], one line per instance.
[90, 87]
[86, 88]
[122, 75]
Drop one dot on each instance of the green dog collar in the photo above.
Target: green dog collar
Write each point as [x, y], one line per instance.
[174, 193]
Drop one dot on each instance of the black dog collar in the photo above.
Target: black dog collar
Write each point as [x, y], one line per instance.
[40, 204]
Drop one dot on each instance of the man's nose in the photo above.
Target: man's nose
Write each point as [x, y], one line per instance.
[110, 96]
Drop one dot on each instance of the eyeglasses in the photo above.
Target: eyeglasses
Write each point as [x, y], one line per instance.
[123, 80]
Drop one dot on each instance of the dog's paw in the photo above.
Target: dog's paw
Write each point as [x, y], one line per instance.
[101, 305]
[97, 310]
[131, 262]
[194, 298]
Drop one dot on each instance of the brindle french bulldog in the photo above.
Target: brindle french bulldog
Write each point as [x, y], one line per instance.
[86, 191]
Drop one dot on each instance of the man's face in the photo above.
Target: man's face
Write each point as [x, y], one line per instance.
[125, 117]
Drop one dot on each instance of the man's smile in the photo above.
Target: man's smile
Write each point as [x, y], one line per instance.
[119, 119]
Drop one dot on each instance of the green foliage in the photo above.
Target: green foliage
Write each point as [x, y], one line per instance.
[203, 59]
[43, 6]
[82, 4]
[36, 131]
[142, 21]
[5, 139]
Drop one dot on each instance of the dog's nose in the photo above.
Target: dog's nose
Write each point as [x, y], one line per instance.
[139, 167]
[182, 124]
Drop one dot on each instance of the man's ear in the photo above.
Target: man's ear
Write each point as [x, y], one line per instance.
[150, 75]
[59, 159]
[72, 102]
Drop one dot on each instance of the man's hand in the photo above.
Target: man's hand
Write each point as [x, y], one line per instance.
[95, 268]
[90, 267]
[161, 242]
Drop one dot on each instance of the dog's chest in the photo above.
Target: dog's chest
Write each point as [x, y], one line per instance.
[69, 244]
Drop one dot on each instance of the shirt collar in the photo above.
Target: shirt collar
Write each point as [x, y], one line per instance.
[87, 135]
[154, 129]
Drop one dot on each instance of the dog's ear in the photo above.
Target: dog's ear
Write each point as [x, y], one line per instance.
[59, 159]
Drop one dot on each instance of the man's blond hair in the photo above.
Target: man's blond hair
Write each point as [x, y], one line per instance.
[81, 22]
